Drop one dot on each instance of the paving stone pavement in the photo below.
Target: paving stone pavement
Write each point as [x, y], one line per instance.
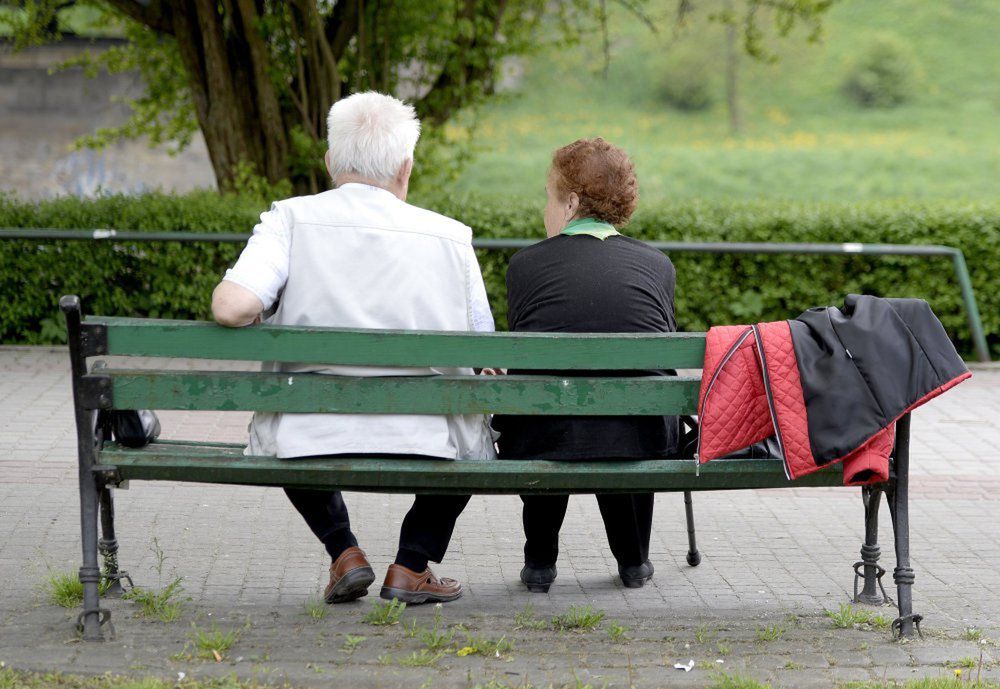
[772, 559]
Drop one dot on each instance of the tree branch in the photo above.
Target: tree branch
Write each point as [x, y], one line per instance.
[341, 26]
[447, 94]
[152, 13]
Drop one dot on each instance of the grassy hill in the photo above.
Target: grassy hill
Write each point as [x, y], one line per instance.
[803, 138]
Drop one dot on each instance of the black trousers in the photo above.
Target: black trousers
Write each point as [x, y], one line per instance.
[628, 521]
[424, 534]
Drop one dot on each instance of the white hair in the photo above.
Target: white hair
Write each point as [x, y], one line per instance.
[371, 135]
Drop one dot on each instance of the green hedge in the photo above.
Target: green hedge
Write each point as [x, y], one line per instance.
[174, 280]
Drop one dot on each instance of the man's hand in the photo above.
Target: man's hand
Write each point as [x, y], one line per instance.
[234, 306]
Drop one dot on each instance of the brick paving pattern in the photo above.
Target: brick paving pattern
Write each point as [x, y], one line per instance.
[778, 557]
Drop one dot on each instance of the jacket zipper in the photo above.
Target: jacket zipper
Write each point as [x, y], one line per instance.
[708, 390]
[770, 400]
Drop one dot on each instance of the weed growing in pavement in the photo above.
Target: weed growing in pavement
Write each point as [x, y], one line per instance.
[214, 643]
[384, 613]
[158, 605]
[436, 638]
[724, 680]
[583, 618]
[954, 682]
[526, 619]
[616, 632]
[770, 633]
[792, 665]
[723, 648]
[578, 683]
[486, 647]
[972, 634]
[351, 642]
[66, 590]
[421, 658]
[848, 617]
[966, 663]
[316, 609]
[705, 634]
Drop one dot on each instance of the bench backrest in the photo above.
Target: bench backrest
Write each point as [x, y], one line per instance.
[305, 392]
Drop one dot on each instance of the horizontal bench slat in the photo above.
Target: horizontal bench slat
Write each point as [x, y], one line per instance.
[309, 345]
[312, 392]
[214, 465]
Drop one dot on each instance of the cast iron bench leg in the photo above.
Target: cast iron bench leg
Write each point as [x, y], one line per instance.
[93, 616]
[693, 556]
[108, 546]
[899, 509]
[870, 552]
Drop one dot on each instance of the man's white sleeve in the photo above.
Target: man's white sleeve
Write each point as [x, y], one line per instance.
[482, 317]
[263, 266]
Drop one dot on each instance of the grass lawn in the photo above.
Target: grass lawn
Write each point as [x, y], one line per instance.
[803, 138]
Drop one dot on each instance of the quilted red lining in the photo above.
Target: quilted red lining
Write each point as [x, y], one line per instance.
[736, 392]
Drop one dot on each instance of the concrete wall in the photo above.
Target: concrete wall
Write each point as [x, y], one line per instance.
[42, 114]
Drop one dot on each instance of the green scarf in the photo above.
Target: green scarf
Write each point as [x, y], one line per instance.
[591, 226]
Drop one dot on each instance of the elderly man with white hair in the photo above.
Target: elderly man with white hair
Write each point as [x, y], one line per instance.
[359, 256]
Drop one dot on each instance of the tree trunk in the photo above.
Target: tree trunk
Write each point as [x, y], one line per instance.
[248, 116]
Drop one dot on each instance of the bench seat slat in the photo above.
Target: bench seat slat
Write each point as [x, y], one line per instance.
[311, 392]
[226, 465]
[314, 345]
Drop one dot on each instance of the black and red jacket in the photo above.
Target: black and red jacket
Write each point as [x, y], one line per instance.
[828, 385]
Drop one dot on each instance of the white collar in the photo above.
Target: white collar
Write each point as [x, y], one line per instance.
[367, 187]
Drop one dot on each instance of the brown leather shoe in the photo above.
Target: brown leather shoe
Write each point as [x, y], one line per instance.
[418, 587]
[350, 577]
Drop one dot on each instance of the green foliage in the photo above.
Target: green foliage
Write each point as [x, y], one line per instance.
[972, 634]
[967, 663]
[351, 642]
[255, 187]
[384, 613]
[705, 634]
[725, 680]
[527, 619]
[616, 632]
[581, 618]
[770, 633]
[66, 590]
[160, 604]
[687, 84]
[213, 643]
[485, 646]
[174, 280]
[164, 280]
[885, 75]
[954, 682]
[803, 139]
[316, 609]
[847, 617]
[421, 658]
[436, 638]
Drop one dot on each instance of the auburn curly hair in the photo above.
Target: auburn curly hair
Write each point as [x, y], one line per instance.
[602, 176]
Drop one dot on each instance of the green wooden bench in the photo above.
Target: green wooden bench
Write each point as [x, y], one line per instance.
[104, 465]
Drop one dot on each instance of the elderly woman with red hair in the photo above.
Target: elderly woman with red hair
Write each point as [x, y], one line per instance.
[587, 277]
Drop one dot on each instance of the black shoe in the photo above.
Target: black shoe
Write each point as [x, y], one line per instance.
[634, 576]
[538, 579]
